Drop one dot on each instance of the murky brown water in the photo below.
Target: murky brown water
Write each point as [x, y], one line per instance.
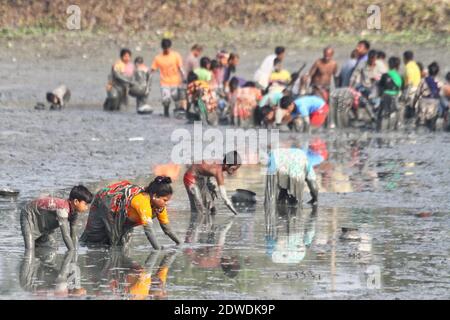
[379, 183]
[394, 187]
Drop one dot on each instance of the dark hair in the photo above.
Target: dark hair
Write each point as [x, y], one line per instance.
[81, 193]
[420, 65]
[276, 61]
[433, 69]
[381, 55]
[353, 54]
[447, 76]
[192, 77]
[408, 55]
[204, 61]
[372, 54]
[249, 84]
[50, 97]
[166, 44]
[139, 60]
[279, 50]
[234, 83]
[124, 51]
[160, 186]
[197, 47]
[232, 56]
[285, 102]
[214, 64]
[365, 43]
[232, 158]
[394, 63]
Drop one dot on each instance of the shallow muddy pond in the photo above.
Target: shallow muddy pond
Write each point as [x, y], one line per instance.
[393, 188]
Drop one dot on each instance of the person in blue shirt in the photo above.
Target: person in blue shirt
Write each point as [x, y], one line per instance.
[304, 112]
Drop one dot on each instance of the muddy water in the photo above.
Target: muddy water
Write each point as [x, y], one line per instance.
[392, 187]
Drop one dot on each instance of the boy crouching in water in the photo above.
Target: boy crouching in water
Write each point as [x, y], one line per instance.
[41, 217]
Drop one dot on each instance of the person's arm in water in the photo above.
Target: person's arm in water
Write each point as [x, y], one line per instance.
[74, 231]
[223, 191]
[62, 215]
[313, 186]
[151, 236]
[163, 219]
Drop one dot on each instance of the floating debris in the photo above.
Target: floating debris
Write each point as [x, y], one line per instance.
[8, 192]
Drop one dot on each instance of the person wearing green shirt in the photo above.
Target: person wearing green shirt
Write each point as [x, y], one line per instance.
[390, 86]
[203, 73]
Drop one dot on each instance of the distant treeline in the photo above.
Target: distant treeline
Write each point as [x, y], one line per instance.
[309, 17]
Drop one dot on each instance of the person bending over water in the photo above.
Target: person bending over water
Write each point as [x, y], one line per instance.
[118, 208]
[41, 217]
[288, 170]
[303, 112]
[201, 191]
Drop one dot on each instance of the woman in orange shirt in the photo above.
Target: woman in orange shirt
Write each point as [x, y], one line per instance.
[120, 207]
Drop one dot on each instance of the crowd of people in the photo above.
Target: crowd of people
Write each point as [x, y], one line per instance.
[210, 90]
[367, 90]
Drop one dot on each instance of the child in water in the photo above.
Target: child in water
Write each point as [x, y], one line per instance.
[41, 217]
[201, 191]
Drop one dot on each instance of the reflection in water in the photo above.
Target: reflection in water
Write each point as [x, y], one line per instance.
[41, 275]
[384, 187]
[107, 274]
[290, 231]
[206, 241]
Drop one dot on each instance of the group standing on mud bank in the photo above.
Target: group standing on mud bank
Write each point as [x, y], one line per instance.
[366, 91]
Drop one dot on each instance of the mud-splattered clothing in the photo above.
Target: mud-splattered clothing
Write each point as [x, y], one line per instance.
[116, 210]
[244, 101]
[41, 217]
[202, 90]
[288, 169]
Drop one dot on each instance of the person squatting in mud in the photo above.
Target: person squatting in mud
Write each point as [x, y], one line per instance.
[302, 113]
[201, 190]
[59, 97]
[202, 100]
[40, 218]
[120, 79]
[118, 208]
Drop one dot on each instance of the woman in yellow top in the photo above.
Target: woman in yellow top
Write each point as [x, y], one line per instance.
[120, 207]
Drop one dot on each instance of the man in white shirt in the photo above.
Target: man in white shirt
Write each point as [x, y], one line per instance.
[262, 75]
